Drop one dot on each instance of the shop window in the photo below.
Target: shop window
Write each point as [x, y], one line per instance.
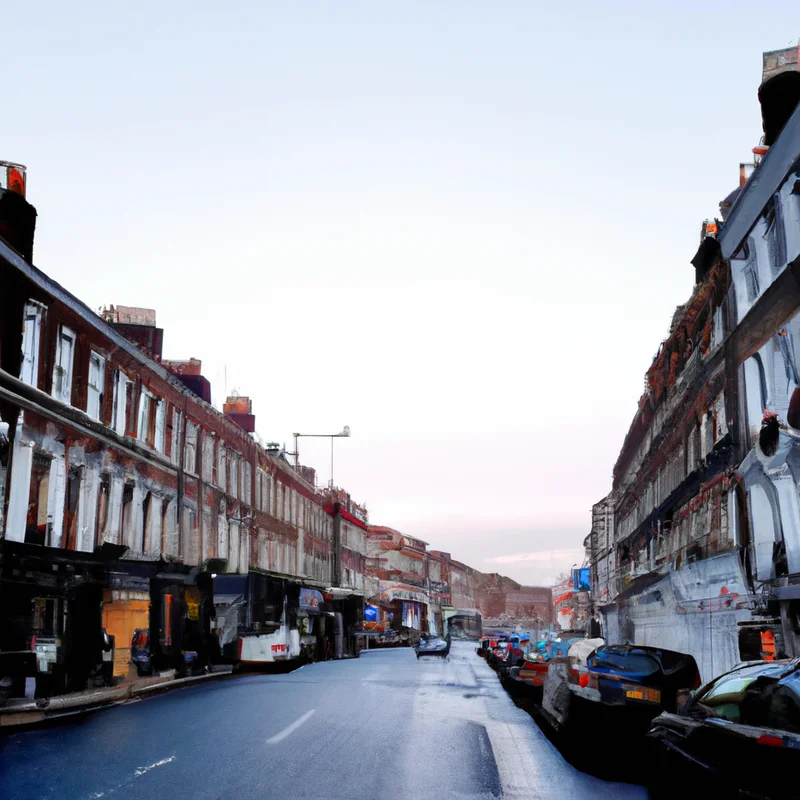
[62, 369]
[31, 344]
[166, 620]
[96, 386]
[47, 617]
[36, 528]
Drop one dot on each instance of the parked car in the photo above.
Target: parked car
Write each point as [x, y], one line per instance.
[431, 645]
[622, 687]
[739, 734]
[497, 654]
[526, 681]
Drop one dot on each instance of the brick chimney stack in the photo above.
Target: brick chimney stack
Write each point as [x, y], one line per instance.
[779, 93]
[239, 410]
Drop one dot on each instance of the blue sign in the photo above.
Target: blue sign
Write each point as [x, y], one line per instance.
[370, 613]
[310, 599]
[580, 580]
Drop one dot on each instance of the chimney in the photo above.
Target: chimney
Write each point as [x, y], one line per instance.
[779, 92]
[239, 410]
[189, 373]
[17, 215]
[137, 325]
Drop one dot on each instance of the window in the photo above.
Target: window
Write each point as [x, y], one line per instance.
[96, 388]
[751, 281]
[36, 527]
[102, 508]
[209, 468]
[247, 482]
[160, 423]
[175, 436]
[259, 487]
[143, 538]
[130, 408]
[120, 398]
[775, 234]
[127, 513]
[233, 482]
[244, 483]
[146, 417]
[190, 448]
[221, 466]
[73, 503]
[62, 370]
[31, 344]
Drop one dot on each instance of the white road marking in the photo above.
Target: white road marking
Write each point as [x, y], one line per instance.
[279, 737]
[137, 774]
[142, 770]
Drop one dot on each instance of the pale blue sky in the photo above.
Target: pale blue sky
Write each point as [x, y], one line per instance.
[460, 228]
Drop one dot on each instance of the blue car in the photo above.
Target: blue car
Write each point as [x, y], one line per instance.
[624, 686]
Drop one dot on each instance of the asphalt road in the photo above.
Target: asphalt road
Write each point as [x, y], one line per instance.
[380, 727]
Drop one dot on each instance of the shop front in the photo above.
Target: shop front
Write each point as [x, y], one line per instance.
[51, 632]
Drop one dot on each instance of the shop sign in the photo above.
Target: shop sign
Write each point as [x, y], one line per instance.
[310, 599]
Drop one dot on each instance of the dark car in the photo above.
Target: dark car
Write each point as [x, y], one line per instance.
[740, 734]
[621, 686]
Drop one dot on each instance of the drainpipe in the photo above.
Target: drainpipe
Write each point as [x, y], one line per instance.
[337, 545]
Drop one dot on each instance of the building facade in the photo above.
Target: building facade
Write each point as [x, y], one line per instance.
[123, 490]
[690, 550]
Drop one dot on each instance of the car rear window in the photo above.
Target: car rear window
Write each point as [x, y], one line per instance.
[626, 662]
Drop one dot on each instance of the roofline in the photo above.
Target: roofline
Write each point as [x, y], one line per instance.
[765, 180]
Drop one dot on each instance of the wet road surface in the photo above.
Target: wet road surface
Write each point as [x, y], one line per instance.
[382, 726]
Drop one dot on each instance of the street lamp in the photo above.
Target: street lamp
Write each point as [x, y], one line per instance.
[344, 433]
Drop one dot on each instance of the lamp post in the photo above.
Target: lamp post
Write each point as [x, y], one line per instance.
[344, 433]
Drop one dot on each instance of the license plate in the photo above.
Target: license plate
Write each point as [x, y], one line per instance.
[649, 695]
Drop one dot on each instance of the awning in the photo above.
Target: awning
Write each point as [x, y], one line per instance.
[310, 599]
[337, 593]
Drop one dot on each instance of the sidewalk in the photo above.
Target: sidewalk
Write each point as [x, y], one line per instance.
[21, 712]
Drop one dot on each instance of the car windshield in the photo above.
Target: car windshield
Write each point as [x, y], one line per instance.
[734, 683]
[625, 662]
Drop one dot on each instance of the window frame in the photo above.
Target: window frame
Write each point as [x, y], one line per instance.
[96, 392]
[62, 374]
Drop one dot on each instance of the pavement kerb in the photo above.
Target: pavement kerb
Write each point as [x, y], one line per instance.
[26, 714]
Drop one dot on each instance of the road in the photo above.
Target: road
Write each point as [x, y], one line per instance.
[382, 726]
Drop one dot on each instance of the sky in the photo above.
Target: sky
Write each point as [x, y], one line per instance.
[460, 228]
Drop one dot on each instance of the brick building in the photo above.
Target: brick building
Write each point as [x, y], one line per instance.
[123, 489]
